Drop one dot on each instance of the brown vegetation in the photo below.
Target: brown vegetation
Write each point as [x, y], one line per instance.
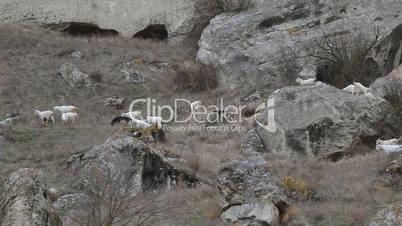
[349, 190]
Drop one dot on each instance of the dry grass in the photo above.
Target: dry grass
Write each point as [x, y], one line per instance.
[30, 59]
[350, 191]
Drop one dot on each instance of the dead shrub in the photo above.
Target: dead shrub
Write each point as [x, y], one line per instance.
[195, 77]
[96, 76]
[344, 58]
[194, 164]
[299, 188]
[114, 200]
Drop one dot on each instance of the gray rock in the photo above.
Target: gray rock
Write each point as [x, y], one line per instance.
[253, 49]
[252, 143]
[258, 214]
[76, 55]
[325, 122]
[130, 74]
[126, 17]
[390, 88]
[74, 77]
[390, 216]
[24, 201]
[115, 102]
[147, 168]
[247, 187]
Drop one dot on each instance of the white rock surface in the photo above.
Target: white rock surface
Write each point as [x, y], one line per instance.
[125, 16]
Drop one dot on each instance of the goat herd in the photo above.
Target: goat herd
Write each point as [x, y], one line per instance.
[134, 119]
[387, 146]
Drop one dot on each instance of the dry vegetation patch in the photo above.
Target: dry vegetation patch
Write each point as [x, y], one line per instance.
[349, 191]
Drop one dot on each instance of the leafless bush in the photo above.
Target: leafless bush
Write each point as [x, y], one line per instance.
[114, 200]
[96, 76]
[195, 77]
[344, 58]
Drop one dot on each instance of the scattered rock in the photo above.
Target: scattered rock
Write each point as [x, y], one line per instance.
[115, 102]
[130, 74]
[74, 77]
[252, 143]
[325, 122]
[390, 216]
[76, 55]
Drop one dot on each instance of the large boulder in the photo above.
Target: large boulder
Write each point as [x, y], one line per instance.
[390, 88]
[127, 17]
[390, 216]
[253, 49]
[147, 168]
[23, 199]
[325, 122]
[251, 195]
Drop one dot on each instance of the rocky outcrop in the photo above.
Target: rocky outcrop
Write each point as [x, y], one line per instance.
[250, 193]
[389, 87]
[23, 199]
[74, 77]
[148, 168]
[325, 122]
[253, 49]
[390, 216]
[126, 17]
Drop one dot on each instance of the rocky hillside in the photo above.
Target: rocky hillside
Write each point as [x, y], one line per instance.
[196, 113]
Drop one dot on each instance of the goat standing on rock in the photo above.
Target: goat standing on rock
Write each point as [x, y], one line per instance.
[307, 82]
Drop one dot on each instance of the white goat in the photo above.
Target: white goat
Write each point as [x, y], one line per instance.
[153, 120]
[388, 149]
[360, 88]
[388, 142]
[195, 105]
[45, 116]
[68, 117]
[350, 89]
[65, 109]
[133, 115]
[140, 124]
[9, 121]
[306, 82]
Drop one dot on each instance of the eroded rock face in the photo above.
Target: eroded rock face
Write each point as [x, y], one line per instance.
[148, 169]
[24, 198]
[126, 17]
[325, 122]
[250, 193]
[253, 49]
[390, 216]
